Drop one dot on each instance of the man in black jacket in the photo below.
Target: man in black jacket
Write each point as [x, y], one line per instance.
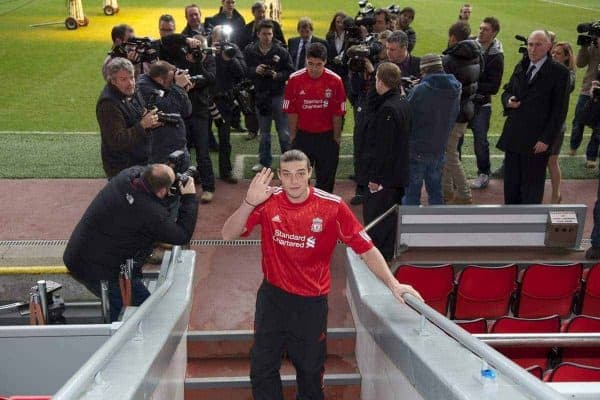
[193, 16]
[462, 59]
[386, 158]
[535, 107]
[123, 120]
[250, 32]
[123, 222]
[397, 52]
[269, 66]
[229, 16]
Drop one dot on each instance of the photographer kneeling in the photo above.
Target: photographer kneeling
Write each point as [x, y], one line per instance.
[123, 222]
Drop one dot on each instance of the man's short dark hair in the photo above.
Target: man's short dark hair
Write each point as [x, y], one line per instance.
[156, 178]
[460, 30]
[390, 74]
[166, 18]
[257, 6]
[317, 50]
[119, 32]
[193, 5]
[399, 37]
[385, 12]
[265, 24]
[160, 69]
[305, 21]
[294, 155]
[494, 23]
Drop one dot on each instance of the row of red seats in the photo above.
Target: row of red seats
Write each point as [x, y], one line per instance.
[488, 292]
[567, 372]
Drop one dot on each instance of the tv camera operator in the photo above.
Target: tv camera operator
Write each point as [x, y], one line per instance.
[591, 117]
[269, 66]
[124, 121]
[587, 56]
[122, 222]
[230, 71]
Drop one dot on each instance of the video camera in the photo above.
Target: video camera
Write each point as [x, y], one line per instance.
[143, 47]
[357, 54]
[523, 45]
[591, 32]
[198, 52]
[177, 162]
[365, 15]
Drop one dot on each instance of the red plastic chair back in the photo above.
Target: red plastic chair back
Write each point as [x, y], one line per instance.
[536, 371]
[582, 355]
[484, 292]
[524, 356]
[433, 283]
[571, 372]
[591, 293]
[474, 326]
[548, 289]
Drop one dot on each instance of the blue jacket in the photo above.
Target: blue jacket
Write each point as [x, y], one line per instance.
[435, 104]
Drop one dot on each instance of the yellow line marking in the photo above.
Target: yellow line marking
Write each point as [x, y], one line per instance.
[34, 269]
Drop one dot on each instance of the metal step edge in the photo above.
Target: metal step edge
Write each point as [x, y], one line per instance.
[286, 380]
[242, 334]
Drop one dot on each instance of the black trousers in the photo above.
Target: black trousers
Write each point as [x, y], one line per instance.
[323, 153]
[524, 177]
[224, 130]
[384, 233]
[298, 324]
[198, 137]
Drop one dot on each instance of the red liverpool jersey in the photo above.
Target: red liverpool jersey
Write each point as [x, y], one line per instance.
[315, 101]
[298, 239]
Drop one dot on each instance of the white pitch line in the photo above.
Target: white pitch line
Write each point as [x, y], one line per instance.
[570, 5]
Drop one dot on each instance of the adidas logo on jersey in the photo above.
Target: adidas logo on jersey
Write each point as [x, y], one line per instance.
[276, 218]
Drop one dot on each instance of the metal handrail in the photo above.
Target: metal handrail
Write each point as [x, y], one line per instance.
[80, 382]
[503, 365]
[540, 339]
[381, 217]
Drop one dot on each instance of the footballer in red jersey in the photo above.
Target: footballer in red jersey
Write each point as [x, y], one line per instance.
[315, 101]
[300, 227]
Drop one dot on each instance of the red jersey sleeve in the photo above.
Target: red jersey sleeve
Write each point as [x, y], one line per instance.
[351, 232]
[339, 100]
[253, 219]
[289, 98]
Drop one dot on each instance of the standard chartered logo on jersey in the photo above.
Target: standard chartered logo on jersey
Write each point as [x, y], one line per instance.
[293, 240]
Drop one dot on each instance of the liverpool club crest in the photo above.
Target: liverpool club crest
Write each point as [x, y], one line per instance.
[317, 225]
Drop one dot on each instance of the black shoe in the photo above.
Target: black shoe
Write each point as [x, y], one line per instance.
[214, 149]
[239, 128]
[593, 253]
[229, 179]
[251, 135]
[357, 199]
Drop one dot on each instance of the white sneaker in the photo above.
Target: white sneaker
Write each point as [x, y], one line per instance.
[257, 167]
[480, 182]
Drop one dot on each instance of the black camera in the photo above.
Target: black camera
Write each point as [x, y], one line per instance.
[226, 48]
[359, 53]
[177, 162]
[243, 96]
[169, 118]
[143, 47]
[365, 15]
[591, 31]
[197, 52]
[408, 82]
[523, 45]
[394, 9]
[198, 79]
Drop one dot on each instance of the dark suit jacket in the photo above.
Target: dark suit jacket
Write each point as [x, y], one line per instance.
[543, 107]
[293, 45]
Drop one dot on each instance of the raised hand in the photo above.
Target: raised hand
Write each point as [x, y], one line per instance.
[260, 189]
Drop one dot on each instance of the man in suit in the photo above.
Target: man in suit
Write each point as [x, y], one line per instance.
[297, 46]
[535, 107]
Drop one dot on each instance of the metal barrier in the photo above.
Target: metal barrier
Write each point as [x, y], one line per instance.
[540, 339]
[121, 368]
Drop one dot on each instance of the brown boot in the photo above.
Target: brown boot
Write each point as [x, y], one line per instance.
[458, 200]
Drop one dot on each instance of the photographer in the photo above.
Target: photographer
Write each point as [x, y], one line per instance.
[202, 69]
[120, 34]
[123, 120]
[397, 52]
[229, 16]
[164, 87]
[230, 70]
[123, 222]
[587, 56]
[269, 66]
[406, 17]
[194, 26]
[249, 35]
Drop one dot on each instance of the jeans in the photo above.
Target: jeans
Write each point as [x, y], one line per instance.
[199, 138]
[264, 126]
[480, 124]
[429, 169]
[454, 173]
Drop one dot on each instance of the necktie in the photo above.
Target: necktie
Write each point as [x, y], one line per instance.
[529, 73]
[302, 55]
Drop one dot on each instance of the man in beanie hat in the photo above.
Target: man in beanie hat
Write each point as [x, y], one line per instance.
[435, 104]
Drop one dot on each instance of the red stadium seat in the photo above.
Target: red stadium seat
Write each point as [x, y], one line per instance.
[524, 356]
[484, 292]
[571, 372]
[536, 371]
[548, 289]
[591, 292]
[582, 355]
[473, 326]
[433, 283]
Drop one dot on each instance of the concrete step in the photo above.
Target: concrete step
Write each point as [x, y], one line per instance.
[219, 378]
[237, 343]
